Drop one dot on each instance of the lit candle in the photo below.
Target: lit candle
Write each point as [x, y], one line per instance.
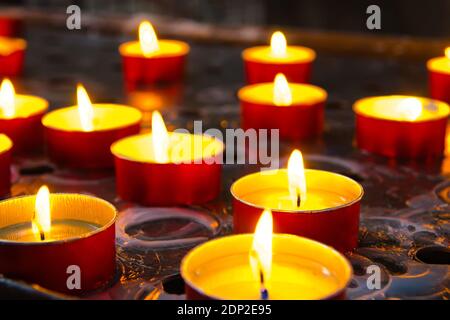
[439, 77]
[12, 55]
[151, 60]
[401, 126]
[262, 63]
[20, 119]
[167, 168]
[80, 136]
[297, 110]
[265, 266]
[5, 165]
[320, 205]
[41, 236]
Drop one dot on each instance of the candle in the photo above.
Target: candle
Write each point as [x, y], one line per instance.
[297, 110]
[20, 119]
[167, 168]
[316, 204]
[262, 63]
[401, 126]
[12, 55]
[265, 266]
[5, 165]
[9, 26]
[439, 77]
[42, 236]
[152, 61]
[80, 136]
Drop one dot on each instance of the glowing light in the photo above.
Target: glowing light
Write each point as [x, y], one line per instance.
[447, 52]
[147, 38]
[85, 109]
[278, 44]
[41, 223]
[410, 109]
[296, 178]
[160, 138]
[7, 97]
[282, 95]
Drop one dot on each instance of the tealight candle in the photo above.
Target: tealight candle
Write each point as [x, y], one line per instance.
[265, 266]
[42, 236]
[401, 126]
[439, 77]
[262, 63]
[151, 60]
[316, 204]
[297, 110]
[167, 168]
[80, 136]
[12, 55]
[20, 119]
[5, 165]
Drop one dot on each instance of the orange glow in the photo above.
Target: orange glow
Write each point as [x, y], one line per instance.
[410, 109]
[7, 98]
[41, 223]
[85, 109]
[278, 44]
[447, 52]
[160, 138]
[148, 39]
[296, 178]
[282, 95]
[261, 251]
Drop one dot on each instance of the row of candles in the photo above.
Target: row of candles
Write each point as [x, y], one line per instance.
[40, 236]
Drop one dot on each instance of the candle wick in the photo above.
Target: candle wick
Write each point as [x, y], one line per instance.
[299, 200]
[264, 291]
[38, 225]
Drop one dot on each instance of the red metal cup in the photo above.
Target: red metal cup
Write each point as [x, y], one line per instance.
[46, 263]
[439, 83]
[12, 61]
[5, 165]
[10, 27]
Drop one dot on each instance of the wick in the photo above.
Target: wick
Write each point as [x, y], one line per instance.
[38, 225]
[264, 291]
[299, 200]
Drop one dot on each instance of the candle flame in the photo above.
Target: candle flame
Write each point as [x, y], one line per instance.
[261, 251]
[447, 52]
[282, 95]
[85, 109]
[278, 44]
[160, 138]
[7, 103]
[296, 178]
[147, 38]
[41, 222]
[410, 109]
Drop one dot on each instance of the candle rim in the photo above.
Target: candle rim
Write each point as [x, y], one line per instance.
[433, 65]
[189, 281]
[40, 105]
[248, 55]
[358, 106]
[67, 240]
[184, 49]
[297, 212]
[7, 142]
[17, 44]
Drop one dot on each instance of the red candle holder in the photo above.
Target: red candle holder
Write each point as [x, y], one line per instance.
[389, 127]
[193, 180]
[302, 119]
[5, 165]
[439, 77]
[71, 147]
[48, 263]
[10, 27]
[334, 222]
[12, 56]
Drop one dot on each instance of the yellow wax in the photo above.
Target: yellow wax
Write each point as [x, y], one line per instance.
[106, 117]
[10, 45]
[439, 64]
[5, 143]
[294, 54]
[183, 148]
[263, 93]
[26, 106]
[401, 108]
[167, 48]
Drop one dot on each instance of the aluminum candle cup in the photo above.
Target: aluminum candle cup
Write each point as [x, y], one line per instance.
[401, 126]
[5, 165]
[12, 56]
[82, 234]
[439, 77]
[330, 213]
[302, 269]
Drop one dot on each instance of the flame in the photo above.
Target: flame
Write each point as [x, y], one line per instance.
[278, 44]
[147, 38]
[41, 223]
[296, 178]
[282, 95]
[410, 109]
[447, 52]
[85, 109]
[7, 93]
[160, 138]
[261, 251]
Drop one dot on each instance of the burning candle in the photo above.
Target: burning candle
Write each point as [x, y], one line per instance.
[297, 110]
[20, 119]
[80, 136]
[151, 60]
[264, 62]
[12, 54]
[439, 77]
[401, 126]
[42, 236]
[316, 204]
[5, 164]
[265, 266]
[167, 168]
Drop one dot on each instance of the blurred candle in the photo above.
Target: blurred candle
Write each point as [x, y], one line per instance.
[12, 55]
[439, 77]
[5, 165]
